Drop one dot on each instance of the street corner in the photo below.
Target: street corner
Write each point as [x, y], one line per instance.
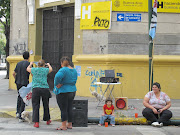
[6, 115]
[54, 113]
[10, 113]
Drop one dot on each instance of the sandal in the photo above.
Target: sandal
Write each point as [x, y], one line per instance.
[70, 127]
[60, 128]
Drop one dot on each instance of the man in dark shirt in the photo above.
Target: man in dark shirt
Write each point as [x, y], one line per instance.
[21, 79]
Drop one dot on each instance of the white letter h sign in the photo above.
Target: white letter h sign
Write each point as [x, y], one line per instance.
[84, 12]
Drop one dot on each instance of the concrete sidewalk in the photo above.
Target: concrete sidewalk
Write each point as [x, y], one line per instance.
[8, 105]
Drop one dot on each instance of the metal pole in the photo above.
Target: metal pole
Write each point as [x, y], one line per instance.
[150, 47]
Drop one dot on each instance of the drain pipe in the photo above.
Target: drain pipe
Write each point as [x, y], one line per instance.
[133, 121]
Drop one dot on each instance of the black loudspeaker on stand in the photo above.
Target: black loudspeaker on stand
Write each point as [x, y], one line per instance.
[80, 113]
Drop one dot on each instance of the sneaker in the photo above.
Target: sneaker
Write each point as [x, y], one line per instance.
[17, 115]
[36, 124]
[156, 124]
[48, 122]
[112, 125]
[21, 120]
[100, 125]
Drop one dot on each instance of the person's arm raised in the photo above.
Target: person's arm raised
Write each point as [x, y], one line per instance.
[50, 68]
[29, 67]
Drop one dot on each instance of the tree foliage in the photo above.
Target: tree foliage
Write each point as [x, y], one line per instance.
[5, 14]
[5, 21]
[2, 40]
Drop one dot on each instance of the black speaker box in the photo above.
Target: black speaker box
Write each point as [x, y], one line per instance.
[80, 113]
[109, 80]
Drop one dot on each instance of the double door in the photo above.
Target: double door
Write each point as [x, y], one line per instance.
[58, 38]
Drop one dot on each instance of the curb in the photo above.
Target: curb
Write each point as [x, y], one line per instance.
[135, 121]
[121, 121]
[5, 115]
[12, 114]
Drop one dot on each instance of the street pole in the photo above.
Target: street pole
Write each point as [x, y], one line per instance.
[150, 47]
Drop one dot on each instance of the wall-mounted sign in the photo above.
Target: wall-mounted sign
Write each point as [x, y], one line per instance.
[96, 15]
[170, 6]
[129, 5]
[78, 69]
[129, 17]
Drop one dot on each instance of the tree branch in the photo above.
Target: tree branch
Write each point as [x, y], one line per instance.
[2, 22]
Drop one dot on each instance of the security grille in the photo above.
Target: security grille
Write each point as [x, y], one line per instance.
[58, 37]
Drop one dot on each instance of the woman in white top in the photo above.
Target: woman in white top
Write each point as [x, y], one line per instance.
[157, 104]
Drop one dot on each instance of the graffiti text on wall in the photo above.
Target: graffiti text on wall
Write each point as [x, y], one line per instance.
[95, 75]
[101, 22]
[19, 48]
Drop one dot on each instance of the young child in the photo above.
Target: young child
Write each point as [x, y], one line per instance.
[108, 112]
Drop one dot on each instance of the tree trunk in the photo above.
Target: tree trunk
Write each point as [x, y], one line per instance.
[7, 34]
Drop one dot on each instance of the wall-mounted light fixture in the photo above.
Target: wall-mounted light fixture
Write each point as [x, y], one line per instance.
[57, 9]
[78, 9]
[67, 0]
[31, 6]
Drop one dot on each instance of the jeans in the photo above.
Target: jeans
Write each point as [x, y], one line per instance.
[112, 119]
[20, 102]
[64, 101]
[149, 115]
[37, 93]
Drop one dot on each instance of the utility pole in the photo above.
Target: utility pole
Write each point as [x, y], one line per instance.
[150, 47]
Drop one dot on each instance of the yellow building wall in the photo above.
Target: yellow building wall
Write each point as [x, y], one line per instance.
[133, 71]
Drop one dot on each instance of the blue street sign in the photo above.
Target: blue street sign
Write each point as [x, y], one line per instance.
[129, 17]
[120, 17]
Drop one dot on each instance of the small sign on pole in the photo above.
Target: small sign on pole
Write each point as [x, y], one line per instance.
[129, 17]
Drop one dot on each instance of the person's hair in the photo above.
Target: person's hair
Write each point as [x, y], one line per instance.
[26, 55]
[41, 63]
[158, 85]
[65, 61]
[108, 99]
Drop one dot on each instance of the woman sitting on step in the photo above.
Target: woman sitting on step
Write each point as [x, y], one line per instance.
[157, 104]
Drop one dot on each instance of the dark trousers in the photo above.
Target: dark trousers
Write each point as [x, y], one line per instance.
[20, 102]
[64, 101]
[37, 94]
[164, 116]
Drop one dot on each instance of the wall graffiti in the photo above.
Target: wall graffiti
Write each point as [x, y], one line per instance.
[102, 48]
[95, 76]
[101, 22]
[19, 48]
